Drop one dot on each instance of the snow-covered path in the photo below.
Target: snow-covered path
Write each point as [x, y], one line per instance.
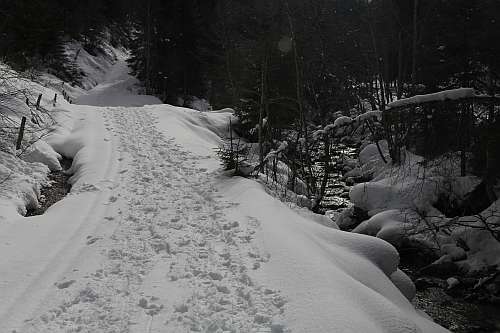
[164, 257]
[154, 238]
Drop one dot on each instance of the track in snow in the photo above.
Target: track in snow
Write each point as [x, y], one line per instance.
[170, 261]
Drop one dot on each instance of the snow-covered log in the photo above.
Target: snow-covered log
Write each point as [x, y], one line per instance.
[452, 94]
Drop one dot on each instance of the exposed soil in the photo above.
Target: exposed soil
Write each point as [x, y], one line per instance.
[57, 188]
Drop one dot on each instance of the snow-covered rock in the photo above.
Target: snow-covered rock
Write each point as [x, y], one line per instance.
[402, 201]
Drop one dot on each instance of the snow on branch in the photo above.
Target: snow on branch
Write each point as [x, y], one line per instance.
[274, 154]
[340, 124]
[444, 95]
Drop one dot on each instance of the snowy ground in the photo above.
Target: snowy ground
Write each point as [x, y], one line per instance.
[154, 238]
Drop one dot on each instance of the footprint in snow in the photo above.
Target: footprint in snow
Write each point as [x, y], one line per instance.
[65, 284]
[86, 188]
[91, 240]
[150, 307]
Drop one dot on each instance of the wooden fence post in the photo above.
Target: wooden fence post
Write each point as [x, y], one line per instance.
[21, 133]
[38, 101]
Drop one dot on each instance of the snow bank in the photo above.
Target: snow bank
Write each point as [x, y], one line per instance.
[29, 176]
[201, 132]
[42, 152]
[81, 137]
[23, 172]
[20, 184]
[20, 191]
[33, 248]
[19, 88]
[334, 281]
[390, 225]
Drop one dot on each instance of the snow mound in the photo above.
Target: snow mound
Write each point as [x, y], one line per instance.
[20, 184]
[390, 225]
[42, 152]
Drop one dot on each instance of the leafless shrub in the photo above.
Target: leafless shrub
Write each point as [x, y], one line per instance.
[18, 99]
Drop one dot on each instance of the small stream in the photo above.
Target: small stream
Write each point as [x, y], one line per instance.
[455, 313]
[58, 188]
[337, 190]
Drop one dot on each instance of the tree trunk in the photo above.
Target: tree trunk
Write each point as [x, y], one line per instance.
[492, 158]
[399, 92]
[263, 102]
[414, 48]
[147, 82]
